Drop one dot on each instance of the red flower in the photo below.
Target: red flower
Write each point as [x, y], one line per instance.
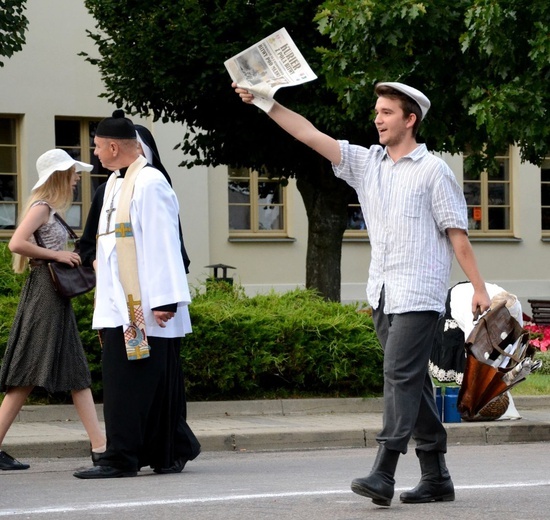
[539, 335]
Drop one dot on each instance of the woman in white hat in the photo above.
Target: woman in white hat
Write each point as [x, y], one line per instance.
[44, 347]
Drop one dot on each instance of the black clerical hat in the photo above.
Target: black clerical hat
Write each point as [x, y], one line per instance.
[116, 127]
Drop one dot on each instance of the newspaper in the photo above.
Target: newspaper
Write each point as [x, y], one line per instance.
[270, 64]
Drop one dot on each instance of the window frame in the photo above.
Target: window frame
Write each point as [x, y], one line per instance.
[485, 205]
[86, 149]
[351, 233]
[545, 233]
[254, 179]
[8, 232]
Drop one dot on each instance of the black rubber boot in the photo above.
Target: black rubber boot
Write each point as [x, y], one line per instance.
[380, 483]
[435, 484]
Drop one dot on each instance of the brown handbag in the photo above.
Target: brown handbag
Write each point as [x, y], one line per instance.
[69, 281]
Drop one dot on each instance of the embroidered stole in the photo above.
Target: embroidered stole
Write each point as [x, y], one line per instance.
[135, 335]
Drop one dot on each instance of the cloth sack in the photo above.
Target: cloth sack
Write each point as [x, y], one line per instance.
[497, 338]
[498, 357]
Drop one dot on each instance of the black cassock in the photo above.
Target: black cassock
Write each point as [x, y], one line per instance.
[144, 405]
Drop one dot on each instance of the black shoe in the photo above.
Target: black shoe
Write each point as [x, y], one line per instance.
[104, 472]
[177, 467]
[7, 462]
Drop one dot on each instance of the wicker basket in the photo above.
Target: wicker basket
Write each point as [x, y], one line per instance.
[492, 410]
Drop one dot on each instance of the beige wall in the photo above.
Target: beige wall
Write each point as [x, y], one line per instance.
[49, 79]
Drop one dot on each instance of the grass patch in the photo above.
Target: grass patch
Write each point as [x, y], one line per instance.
[535, 384]
[539, 382]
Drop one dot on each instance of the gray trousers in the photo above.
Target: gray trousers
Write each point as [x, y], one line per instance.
[409, 403]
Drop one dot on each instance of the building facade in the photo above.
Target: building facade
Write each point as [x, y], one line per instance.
[50, 98]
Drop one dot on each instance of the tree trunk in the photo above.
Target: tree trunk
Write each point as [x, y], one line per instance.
[326, 202]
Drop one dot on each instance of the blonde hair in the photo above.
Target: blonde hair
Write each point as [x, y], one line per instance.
[57, 191]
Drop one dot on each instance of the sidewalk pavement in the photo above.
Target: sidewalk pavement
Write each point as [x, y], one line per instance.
[288, 424]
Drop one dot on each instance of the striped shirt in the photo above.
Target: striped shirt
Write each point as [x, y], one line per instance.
[407, 207]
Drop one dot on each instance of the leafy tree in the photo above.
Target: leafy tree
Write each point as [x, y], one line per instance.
[484, 63]
[13, 25]
[167, 58]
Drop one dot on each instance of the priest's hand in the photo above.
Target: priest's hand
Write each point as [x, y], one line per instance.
[161, 317]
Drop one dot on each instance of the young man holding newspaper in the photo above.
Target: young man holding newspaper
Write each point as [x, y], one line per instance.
[416, 218]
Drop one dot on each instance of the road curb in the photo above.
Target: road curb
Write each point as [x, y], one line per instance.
[205, 409]
[273, 425]
[282, 407]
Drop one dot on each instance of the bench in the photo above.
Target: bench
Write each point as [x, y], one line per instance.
[540, 311]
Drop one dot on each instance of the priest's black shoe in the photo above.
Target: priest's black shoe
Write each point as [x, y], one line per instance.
[177, 467]
[7, 462]
[104, 472]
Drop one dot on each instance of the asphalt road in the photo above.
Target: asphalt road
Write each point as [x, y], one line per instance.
[508, 482]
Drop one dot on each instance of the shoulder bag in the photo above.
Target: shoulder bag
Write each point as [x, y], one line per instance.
[69, 281]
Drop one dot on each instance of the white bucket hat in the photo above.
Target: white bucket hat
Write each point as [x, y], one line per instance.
[57, 161]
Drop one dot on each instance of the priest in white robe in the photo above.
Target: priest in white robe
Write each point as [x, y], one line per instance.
[141, 311]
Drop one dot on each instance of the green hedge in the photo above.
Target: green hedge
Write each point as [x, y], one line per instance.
[276, 345]
[545, 358]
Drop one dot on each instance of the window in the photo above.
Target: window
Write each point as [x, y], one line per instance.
[256, 204]
[356, 226]
[488, 197]
[545, 197]
[9, 173]
[76, 137]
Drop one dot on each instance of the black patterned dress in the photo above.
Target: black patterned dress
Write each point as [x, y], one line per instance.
[44, 347]
[448, 357]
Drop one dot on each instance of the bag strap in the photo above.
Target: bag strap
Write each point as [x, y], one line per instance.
[38, 240]
[72, 234]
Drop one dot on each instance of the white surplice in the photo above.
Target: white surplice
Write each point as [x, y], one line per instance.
[154, 215]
